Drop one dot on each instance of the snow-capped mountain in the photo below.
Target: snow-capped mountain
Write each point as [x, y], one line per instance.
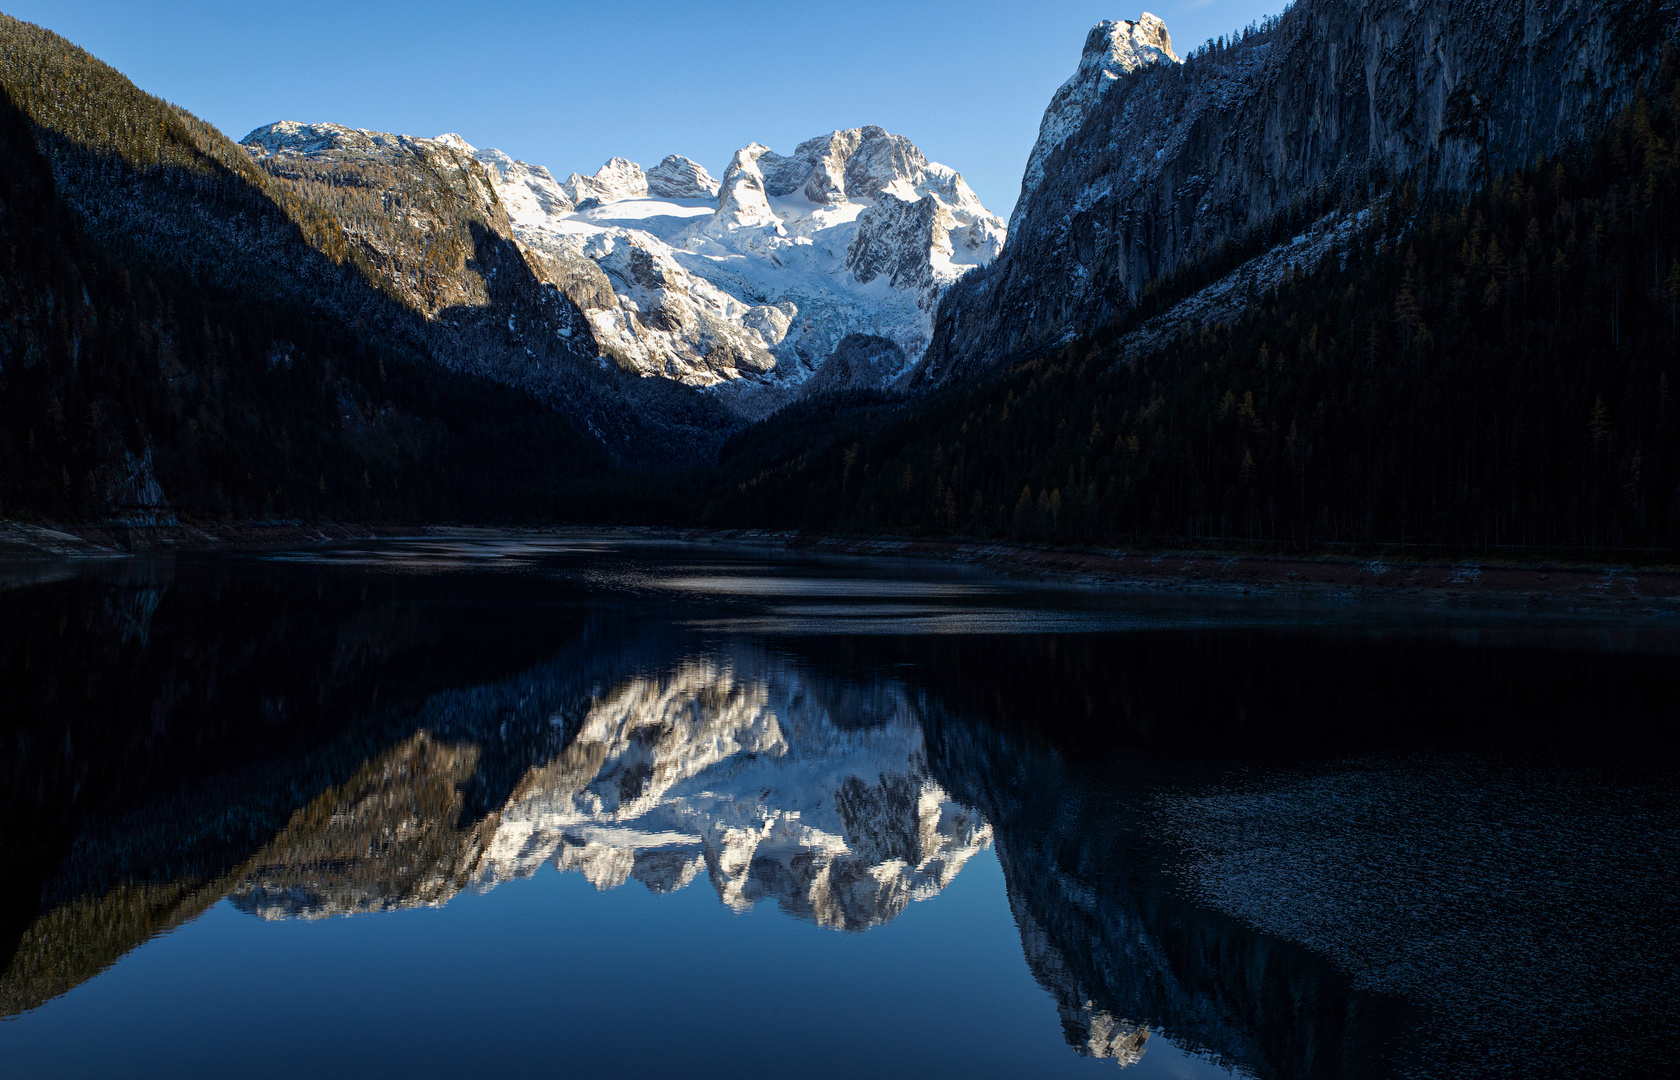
[758, 278]
[747, 285]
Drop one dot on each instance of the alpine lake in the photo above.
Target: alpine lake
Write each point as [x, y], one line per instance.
[591, 806]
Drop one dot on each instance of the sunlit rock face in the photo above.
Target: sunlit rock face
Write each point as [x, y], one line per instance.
[771, 785]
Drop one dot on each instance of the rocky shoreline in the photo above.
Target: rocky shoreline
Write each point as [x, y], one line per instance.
[24, 541]
[1653, 589]
[1648, 588]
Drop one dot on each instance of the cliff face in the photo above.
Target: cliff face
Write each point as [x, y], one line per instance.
[1147, 164]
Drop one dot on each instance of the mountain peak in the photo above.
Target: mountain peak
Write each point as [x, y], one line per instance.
[678, 177]
[742, 202]
[857, 163]
[619, 178]
[1112, 49]
[290, 136]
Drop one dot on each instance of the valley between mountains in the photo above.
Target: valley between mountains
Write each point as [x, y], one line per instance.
[1365, 273]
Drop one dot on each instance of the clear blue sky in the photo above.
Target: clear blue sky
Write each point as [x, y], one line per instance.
[568, 85]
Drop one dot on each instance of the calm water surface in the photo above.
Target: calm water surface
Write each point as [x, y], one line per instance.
[590, 808]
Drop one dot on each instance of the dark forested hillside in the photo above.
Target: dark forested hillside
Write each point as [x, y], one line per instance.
[185, 337]
[1492, 371]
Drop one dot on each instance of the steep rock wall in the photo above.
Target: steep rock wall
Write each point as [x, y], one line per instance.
[1333, 96]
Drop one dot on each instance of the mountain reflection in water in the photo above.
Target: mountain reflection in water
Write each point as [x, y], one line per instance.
[1271, 837]
[773, 785]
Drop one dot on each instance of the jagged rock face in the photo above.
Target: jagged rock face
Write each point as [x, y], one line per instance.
[676, 324]
[679, 178]
[859, 163]
[754, 776]
[527, 191]
[1144, 164]
[891, 239]
[617, 179]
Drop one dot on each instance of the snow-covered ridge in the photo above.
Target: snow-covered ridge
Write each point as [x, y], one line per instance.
[750, 284]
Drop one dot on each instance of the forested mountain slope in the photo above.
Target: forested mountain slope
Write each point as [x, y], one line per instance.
[1495, 371]
[183, 334]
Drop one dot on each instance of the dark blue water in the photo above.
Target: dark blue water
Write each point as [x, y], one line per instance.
[582, 807]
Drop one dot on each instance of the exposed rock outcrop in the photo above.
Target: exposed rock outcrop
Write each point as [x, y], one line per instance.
[905, 242]
[1113, 50]
[742, 200]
